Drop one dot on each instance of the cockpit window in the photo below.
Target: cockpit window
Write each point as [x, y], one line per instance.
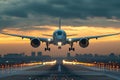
[59, 33]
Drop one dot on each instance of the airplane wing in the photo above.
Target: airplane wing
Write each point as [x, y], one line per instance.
[28, 37]
[71, 35]
[47, 35]
[92, 37]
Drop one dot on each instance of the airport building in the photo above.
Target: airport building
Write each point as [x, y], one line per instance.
[68, 55]
[32, 54]
[13, 55]
[39, 54]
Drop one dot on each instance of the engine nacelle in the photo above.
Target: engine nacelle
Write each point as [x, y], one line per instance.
[35, 42]
[84, 42]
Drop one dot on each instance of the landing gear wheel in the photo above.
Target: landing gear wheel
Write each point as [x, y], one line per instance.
[69, 49]
[59, 47]
[47, 49]
[73, 49]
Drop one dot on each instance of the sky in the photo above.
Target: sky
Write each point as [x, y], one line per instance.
[81, 17]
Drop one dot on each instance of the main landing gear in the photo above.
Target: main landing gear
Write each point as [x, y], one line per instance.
[59, 47]
[71, 48]
[47, 48]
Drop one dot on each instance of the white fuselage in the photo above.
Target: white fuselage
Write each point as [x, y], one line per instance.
[59, 37]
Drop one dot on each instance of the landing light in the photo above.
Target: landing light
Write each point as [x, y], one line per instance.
[49, 40]
[59, 43]
[70, 39]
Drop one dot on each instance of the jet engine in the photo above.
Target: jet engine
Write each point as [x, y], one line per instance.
[35, 42]
[84, 42]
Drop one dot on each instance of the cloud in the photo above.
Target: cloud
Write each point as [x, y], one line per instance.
[65, 9]
[21, 13]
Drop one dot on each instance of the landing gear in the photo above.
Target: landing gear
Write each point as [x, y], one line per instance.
[47, 48]
[71, 48]
[59, 47]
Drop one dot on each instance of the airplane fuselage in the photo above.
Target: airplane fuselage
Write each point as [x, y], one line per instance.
[59, 37]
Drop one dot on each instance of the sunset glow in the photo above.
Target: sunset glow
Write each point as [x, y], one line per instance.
[81, 31]
[102, 45]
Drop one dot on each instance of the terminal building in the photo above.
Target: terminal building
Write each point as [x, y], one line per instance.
[32, 54]
[39, 54]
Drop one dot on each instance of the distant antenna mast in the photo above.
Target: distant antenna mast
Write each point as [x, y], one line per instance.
[59, 23]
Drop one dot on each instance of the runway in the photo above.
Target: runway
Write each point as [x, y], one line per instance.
[58, 71]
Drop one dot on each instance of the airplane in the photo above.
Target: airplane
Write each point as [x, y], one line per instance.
[60, 38]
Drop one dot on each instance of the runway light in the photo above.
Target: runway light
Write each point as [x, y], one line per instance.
[86, 64]
[29, 78]
[75, 62]
[6, 61]
[69, 62]
[50, 62]
[32, 64]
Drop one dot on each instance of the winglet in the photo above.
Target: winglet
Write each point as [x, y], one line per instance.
[59, 23]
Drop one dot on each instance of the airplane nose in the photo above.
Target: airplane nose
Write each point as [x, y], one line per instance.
[60, 37]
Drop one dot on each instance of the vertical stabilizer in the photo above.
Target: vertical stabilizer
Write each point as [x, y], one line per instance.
[59, 23]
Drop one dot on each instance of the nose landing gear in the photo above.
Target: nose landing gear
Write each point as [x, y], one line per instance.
[71, 48]
[47, 49]
[59, 47]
